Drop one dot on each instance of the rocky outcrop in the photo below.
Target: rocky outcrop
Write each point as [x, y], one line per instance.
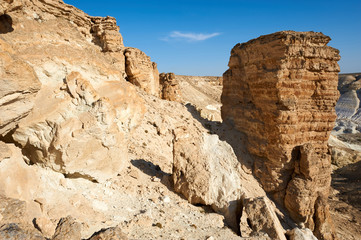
[281, 90]
[169, 87]
[80, 132]
[107, 34]
[19, 85]
[141, 71]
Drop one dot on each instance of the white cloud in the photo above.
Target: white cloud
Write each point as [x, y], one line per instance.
[190, 37]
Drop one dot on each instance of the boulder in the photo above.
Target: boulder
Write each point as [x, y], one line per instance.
[206, 171]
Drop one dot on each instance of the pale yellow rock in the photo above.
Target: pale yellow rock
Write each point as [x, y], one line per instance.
[19, 85]
[80, 132]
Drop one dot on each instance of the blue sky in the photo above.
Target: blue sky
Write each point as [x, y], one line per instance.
[196, 37]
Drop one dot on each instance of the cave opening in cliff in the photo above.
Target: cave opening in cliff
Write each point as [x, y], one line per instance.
[6, 24]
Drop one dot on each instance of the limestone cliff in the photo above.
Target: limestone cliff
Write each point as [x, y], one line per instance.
[281, 90]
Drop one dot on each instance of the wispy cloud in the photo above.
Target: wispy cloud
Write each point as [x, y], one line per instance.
[190, 37]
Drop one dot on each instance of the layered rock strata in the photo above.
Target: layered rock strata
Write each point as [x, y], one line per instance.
[141, 71]
[19, 85]
[107, 33]
[281, 90]
[169, 87]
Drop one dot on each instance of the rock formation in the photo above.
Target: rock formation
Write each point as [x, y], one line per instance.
[80, 131]
[107, 34]
[348, 106]
[141, 71]
[169, 87]
[19, 85]
[281, 90]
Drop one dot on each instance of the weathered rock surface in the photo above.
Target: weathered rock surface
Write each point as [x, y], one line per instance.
[301, 234]
[19, 85]
[206, 171]
[107, 33]
[114, 233]
[13, 232]
[169, 87]
[262, 217]
[80, 132]
[68, 228]
[141, 71]
[281, 90]
[16, 220]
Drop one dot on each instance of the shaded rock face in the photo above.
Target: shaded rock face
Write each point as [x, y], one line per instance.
[141, 71]
[19, 85]
[169, 87]
[281, 90]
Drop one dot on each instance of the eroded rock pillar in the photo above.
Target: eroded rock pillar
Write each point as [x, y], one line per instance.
[281, 91]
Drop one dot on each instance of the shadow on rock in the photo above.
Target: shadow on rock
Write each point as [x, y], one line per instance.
[227, 132]
[347, 180]
[155, 171]
[6, 24]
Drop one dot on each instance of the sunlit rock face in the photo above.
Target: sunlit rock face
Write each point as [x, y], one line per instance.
[281, 91]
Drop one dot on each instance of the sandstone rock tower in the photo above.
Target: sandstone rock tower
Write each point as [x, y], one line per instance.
[281, 90]
[169, 87]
